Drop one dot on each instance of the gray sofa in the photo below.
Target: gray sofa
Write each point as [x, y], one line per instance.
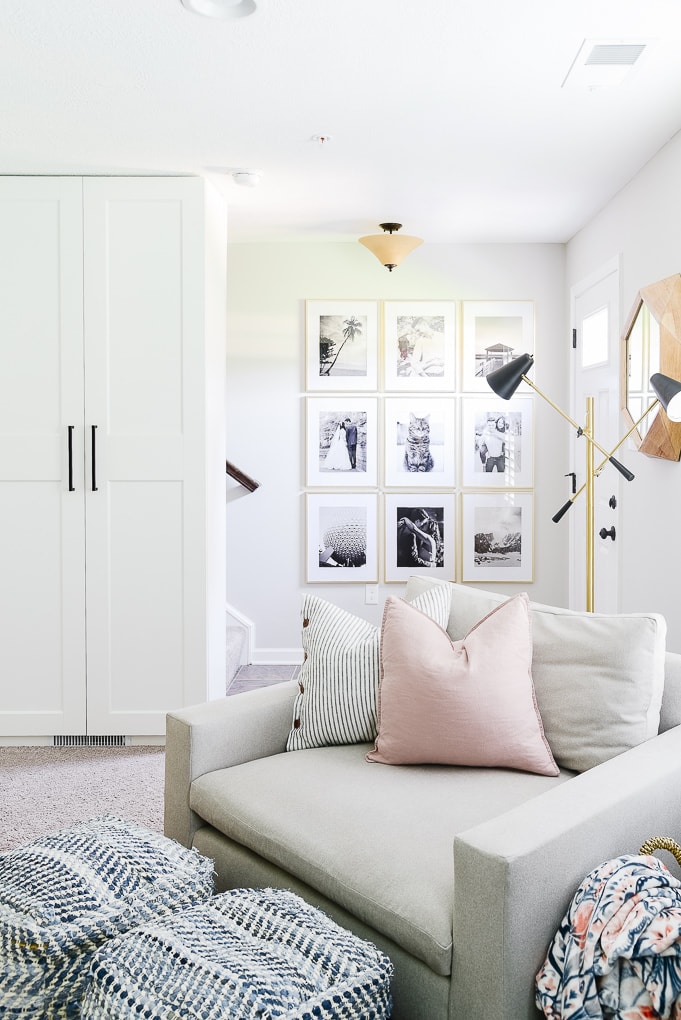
[461, 875]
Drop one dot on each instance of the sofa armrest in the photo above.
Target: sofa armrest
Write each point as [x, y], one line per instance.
[516, 874]
[216, 735]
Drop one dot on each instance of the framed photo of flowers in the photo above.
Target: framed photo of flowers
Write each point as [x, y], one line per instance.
[497, 442]
[342, 537]
[419, 345]
[341, 345]
[497, 537]
[342, 441]
[494, 333]
[419, 535]
[419, 433]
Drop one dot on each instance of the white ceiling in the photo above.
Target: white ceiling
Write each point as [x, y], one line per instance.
[446, 115]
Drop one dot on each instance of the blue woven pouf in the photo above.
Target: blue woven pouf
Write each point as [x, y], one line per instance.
[248, 953]
[63, 896]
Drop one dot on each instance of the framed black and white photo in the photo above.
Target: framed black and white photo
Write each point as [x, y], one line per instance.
[342, 441]
[497, 442]
[494, 333]
[342, 537]
[341, 345]
[419, 535]
[497, 537]
[419, 437]
[419, 345]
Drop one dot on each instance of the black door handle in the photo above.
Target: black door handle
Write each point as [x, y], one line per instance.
[94, 459]
[608, 533]
[72, 487]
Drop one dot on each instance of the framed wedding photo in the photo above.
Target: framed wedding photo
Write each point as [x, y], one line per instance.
[419, 437]
[419, 535]
[494, 333]
[497, 537]
[342, 444]
[419, 345]
[341, 345]
[497, 442]
[342, 537]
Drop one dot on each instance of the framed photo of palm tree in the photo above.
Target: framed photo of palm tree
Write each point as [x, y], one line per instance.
[341, 345]
[419, 345]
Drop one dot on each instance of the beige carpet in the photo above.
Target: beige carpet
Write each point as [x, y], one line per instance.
[44, 789]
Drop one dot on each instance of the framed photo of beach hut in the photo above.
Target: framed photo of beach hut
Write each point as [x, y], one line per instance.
[497, 537]
[494, 333]
[419, 437]
[497, 442]
[342, 442]
[341, 345]
[342, 537]
[419, 345]
[419, 535]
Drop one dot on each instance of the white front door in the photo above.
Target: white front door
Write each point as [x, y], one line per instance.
[596, 321]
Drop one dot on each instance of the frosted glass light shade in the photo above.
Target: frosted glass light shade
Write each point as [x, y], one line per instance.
[220, 8]
[390, 249]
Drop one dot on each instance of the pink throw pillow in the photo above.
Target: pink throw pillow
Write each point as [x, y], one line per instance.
[468, 702]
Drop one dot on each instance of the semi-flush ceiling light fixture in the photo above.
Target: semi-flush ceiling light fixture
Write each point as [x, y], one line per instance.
[221, 8]
[389, 247]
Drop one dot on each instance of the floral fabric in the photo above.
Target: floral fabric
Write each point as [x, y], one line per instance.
[617, 953]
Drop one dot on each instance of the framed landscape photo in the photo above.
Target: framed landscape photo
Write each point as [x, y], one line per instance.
[497, 537]
[342, 537]
[419, 535]
[341, 345]
[342, 442]
[419, 345]
[419, 437]
[497, 442]
[494, 333]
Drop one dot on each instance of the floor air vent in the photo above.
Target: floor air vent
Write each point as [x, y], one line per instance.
[106, 741]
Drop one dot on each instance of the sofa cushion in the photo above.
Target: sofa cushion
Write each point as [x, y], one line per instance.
[468, 702]
[393, 870]
[598, 678]
[338, 681]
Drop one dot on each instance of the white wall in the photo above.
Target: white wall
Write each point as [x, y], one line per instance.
[643, 224]
[268, 285]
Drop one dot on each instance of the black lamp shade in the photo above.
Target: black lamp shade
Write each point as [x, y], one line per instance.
[668, 392]
[506, 380]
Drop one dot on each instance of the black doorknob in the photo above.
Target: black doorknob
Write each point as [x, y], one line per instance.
[608, 533]
[612, 502]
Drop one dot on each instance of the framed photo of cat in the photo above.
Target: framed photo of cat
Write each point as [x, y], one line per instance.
[341, 345]
[494, 333]
[497, 442]
[342, 441]
[342, 537]
[419, 438]
[419, 345]
[420, 536]
[497, 537]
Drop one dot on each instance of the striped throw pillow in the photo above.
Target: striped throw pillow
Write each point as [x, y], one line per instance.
[338, 682]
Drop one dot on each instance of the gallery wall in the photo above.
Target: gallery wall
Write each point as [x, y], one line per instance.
[266, 387]
[642, 226]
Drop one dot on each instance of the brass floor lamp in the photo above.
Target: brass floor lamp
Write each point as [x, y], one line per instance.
[505, 381]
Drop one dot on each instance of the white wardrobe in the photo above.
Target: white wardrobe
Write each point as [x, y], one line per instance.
[112, 453]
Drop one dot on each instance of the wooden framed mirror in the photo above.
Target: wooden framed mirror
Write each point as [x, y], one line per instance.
[651, 342]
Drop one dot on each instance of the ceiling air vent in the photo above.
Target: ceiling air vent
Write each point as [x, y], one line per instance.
[599, 64]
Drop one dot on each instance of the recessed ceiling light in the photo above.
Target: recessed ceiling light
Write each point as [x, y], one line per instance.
[247, 178]
[221, 8]
[600, 63]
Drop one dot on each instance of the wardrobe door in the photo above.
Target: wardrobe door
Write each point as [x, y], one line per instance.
[42, 569]
[145, 451]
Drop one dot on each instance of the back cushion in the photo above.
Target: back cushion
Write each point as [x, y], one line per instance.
[598, 678]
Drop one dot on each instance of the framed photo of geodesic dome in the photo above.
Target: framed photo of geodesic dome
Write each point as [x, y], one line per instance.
[342, 537]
